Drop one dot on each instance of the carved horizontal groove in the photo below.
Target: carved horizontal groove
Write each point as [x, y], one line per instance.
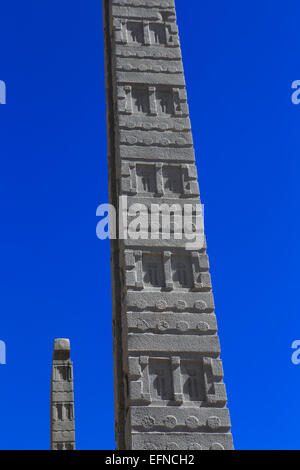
[200, 288]
[147, 79]
[154, 127]
[157, 159]
[172, 46]
[162, 127]
[135, 14]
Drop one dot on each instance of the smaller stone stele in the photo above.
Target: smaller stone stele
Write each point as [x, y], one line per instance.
[62, 423]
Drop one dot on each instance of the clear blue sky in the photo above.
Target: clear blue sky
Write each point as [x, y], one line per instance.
[240, 59]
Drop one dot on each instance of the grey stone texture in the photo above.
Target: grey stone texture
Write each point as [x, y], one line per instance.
[62, 427]
[169, 390]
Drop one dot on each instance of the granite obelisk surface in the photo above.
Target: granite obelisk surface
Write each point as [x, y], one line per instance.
[62, 427]
[169, 390]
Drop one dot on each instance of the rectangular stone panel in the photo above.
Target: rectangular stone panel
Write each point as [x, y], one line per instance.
[187, 301]
[157, 123]
[180, 441]
[179, 419]
[160, 375]
[153, 275]
[173, 343]
[148, 52]
[164, 322]
[151, 78]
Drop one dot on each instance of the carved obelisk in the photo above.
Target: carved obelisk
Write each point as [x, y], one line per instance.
[62, 427]
[169, 390]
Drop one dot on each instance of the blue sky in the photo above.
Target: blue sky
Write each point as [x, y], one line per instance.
[240, 59]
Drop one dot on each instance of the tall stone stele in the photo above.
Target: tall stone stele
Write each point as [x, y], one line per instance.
[62, 427]
[169, 390]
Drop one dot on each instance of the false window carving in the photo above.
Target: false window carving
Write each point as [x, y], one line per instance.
[182, 271]
[182, 274]
[63, 373]
[146, 177]
[135, 33]
[192, 379]
[157, 34]
[165, 101]
[59, 411]
[153, 272]
[64, 446]
[172, 177]
[69, 411]
[160, 375]
[140, 100]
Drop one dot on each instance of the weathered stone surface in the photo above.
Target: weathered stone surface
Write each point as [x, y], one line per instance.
[173, 343]
[179, 419]
[162, 321]
[62, 425]
[180, 441]
[169, 390]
